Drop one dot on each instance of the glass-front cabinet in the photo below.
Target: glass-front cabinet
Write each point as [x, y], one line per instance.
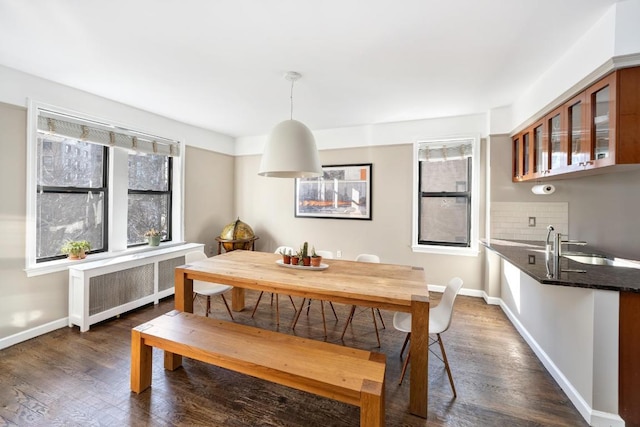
[578, 141]
[597, 128]
[557, 141]
[602, 101]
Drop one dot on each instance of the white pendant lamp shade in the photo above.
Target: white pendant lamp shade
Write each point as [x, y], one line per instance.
[290, 152]
[291, 149]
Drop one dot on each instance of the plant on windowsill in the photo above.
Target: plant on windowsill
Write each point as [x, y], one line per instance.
[153, 237]
[76, 249]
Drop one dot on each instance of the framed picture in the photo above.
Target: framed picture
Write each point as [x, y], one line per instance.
[342, 192]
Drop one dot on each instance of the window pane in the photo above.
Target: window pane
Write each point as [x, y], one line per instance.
[448, 176]
[68, 216]
[148, 172]
[147, 211]
[444, 219]
[70, 163]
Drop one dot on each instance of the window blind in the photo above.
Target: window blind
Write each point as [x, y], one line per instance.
[440, 152]
[64, 125]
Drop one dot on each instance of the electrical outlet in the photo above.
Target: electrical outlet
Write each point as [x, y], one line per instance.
[338, 254]
[532, 221]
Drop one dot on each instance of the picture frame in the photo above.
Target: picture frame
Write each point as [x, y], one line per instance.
[342, 192]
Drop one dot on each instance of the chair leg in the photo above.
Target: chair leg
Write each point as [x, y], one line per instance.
[349, 319]
[206, 313]
[375, 325]
[257, 302]
[446, 365]
[277, 310]
[334, 310]
[324, 321]
[406, 340]
[227, 305]
[404, 367]
[292, 303]
[298, 313]
[381, 319]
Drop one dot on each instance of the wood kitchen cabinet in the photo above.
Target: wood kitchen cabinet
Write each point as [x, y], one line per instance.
[597, 128]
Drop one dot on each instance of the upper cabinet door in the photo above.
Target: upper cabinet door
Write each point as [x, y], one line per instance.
[602, 121]
[578, 132]
[558, 151]
[540, 150]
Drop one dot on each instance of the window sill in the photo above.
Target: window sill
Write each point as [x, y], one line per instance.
[445, 250]
[64, 264]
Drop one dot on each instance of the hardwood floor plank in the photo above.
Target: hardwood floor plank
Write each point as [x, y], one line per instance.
[69, 378]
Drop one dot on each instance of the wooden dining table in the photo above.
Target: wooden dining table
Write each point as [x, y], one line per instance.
[387, 286]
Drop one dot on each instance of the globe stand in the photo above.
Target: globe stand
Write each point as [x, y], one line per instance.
[233, 244]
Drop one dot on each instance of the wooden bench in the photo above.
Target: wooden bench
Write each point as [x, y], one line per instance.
[345, 374]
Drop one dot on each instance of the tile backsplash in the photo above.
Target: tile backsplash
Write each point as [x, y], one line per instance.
[510, 220]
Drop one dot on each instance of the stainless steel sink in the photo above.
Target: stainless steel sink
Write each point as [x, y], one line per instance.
[595, 259]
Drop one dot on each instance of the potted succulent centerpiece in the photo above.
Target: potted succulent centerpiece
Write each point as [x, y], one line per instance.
[153, 237]
[76, 249]
[315, 258]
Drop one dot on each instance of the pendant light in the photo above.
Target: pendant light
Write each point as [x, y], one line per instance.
[291, 150]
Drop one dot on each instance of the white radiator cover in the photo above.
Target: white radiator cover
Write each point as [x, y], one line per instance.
[103, 289]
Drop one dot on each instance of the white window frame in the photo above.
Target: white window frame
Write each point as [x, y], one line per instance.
[472, 250]
[118, 198]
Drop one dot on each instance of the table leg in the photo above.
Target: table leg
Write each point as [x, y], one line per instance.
[418, 393]
[237, 299]
[183, 291]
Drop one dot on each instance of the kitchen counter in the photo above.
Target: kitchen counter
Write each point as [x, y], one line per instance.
[530, 257]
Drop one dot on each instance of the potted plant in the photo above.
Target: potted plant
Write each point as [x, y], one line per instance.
[153, 237]
[295, 258]
[286, 256]
[76, 249]
[304, 255]
[315, 258]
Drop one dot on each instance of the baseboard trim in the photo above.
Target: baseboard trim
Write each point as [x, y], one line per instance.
[593, 417]
[33, 333]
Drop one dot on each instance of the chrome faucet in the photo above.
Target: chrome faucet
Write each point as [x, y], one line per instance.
[556, 249]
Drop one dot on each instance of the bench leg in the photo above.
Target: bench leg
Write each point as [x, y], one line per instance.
[141, 362]
[372, 404]
[172, 361]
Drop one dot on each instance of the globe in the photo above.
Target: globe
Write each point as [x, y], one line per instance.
[237, 230]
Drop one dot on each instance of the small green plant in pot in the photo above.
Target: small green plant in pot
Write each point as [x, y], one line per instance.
[286, 256]
[315, 258]
[305, 259]
[153, 237]
[76, 249]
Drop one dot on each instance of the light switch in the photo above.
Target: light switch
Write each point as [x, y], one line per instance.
[532, 221]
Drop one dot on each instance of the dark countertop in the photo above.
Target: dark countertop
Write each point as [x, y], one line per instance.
[529, 256]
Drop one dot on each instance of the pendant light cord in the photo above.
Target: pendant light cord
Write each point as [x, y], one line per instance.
[291, 98]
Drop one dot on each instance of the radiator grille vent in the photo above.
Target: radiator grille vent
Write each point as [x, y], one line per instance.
[113, 289]
[166, 272]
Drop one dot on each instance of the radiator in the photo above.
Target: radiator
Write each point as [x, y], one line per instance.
[106, 288]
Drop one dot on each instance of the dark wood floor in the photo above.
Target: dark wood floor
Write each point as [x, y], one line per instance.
[69, 378]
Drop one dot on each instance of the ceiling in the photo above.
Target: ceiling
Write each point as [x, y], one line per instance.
[219, 65]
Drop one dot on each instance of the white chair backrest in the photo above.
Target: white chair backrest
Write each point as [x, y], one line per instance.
[443, 312]
[368, 258]
[288, 249]
[194, 256]
[325, 254]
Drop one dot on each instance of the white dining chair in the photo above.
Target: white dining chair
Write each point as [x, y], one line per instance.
[439, 322]
[352, 312]
[279, 250]
[207, 289]
[325, 255]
